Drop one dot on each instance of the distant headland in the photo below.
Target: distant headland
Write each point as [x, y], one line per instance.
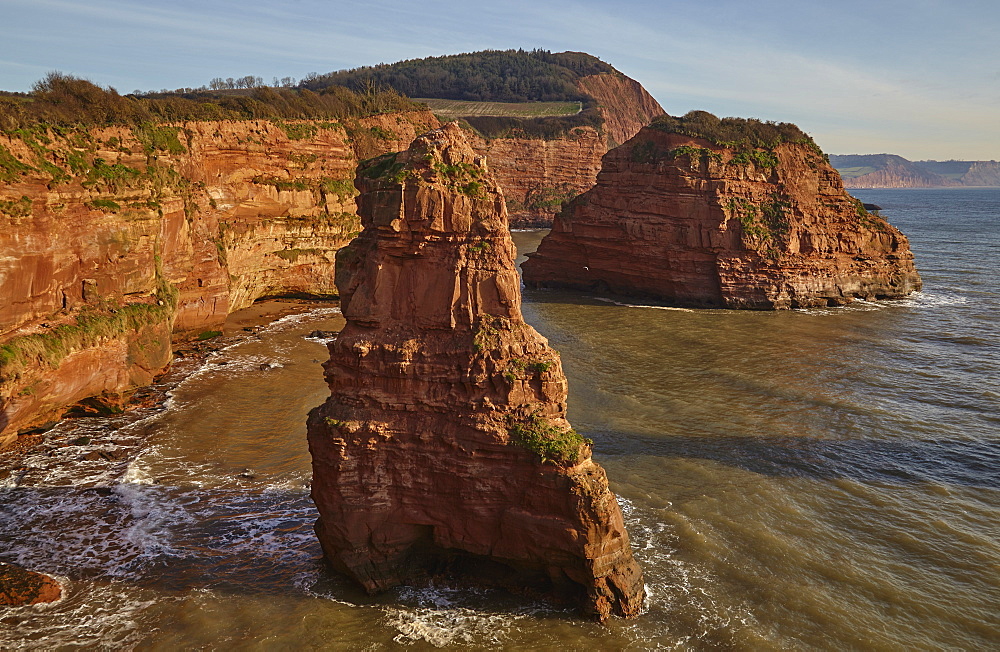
[892, 171]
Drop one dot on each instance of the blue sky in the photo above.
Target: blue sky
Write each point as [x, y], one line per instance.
[919, 78]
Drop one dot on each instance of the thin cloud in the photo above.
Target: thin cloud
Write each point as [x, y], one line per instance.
[845, 73]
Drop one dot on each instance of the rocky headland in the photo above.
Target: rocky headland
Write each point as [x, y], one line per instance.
[540, 162]
[117, 240]
[725, 213]
[893, 171]
[541, 174]
[443, 450]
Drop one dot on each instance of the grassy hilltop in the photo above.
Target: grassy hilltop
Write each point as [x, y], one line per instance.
[533, 93]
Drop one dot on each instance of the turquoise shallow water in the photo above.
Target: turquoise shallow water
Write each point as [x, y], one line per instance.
[825, 479]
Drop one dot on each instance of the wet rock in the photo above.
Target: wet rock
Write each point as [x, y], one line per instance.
[444, 449]
[21, 587]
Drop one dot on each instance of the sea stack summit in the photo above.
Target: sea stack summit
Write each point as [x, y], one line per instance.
[727, 213]
[443, 450]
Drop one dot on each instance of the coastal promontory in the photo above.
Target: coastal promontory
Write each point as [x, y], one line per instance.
[726, 213]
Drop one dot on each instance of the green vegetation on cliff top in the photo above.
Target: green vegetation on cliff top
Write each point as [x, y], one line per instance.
[64, 101]
[734, 133]
[488, 76]
[530, 78]
[492, 76]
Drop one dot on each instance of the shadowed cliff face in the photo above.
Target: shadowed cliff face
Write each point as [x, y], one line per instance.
[114, 238]
[443, 449]
[682, 220]
[538, 176]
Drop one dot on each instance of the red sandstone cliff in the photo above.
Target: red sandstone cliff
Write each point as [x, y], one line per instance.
[114, 238]
[624, 104]
[683, 220]
[539, 176]
[444, 448]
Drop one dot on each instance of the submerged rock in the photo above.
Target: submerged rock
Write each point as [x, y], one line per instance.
[444, 449]
[759, 221]
[20, 587]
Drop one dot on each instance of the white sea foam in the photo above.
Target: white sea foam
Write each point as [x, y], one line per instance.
[436, 615]
[137, 511]
[675, 587]
[94, 615]
[299, 318]
[933, 298]
[642, 305]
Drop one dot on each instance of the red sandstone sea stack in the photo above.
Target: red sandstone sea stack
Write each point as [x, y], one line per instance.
[723, 213]
[444, 449]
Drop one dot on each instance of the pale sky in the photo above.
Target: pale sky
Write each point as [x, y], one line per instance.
[918, 78]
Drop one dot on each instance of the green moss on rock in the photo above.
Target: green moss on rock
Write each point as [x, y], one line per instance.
[560, 446]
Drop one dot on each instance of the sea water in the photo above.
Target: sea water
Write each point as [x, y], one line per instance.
[814, 479]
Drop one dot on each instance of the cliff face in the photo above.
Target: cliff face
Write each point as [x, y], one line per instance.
[624, 103]
[115, 237]
[444, 448]
[539, 176]
[982, 173]
[683, 220]
[886, 171]
[892, 171]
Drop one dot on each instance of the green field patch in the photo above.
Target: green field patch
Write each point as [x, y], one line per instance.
[463, 108]
[851, 173]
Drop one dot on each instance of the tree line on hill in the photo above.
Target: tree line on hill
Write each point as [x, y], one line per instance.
[495, 75]
[64, 100]
[488, 76]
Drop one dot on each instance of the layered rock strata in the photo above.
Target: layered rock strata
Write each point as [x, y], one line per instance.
[539, 176]
[624, 104]
[444, 449]
[686, 221]
[115, 238]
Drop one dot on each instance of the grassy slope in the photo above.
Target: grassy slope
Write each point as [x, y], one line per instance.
[463, 108]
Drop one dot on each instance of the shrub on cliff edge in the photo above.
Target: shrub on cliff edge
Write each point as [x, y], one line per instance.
[734, 133]
[550, 442]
